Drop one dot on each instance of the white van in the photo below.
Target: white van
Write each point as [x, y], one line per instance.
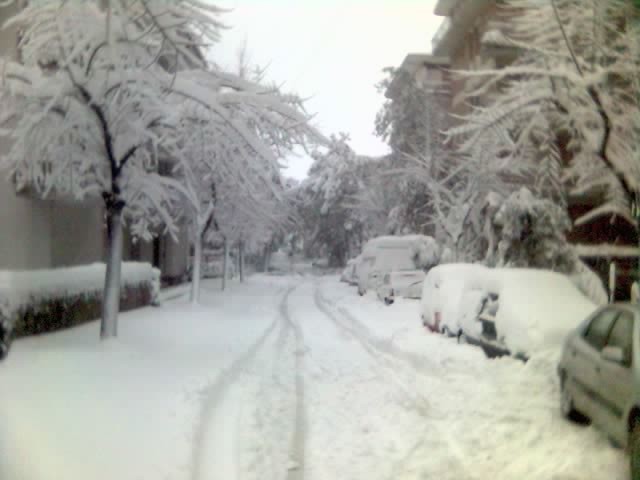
[383, 255]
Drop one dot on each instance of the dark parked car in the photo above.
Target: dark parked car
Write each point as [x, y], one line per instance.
[600, 376]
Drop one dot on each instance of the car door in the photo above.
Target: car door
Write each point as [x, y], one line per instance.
[616, 385]
[584, 360]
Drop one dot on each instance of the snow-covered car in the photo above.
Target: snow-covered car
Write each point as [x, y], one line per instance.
[440, 305]
[400, 283]
[280, 263]
[382, 255]
[349, 273]
[519, 311]
[600, 375]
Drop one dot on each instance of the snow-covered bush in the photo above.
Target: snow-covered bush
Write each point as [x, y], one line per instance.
[531, 233]
[447, 256]
[40, 301]
[526, 231]
[426, 252]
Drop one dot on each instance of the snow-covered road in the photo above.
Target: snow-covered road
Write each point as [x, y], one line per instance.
[286, 378]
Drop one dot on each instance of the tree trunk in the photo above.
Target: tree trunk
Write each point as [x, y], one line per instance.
[241, 260]
[196, 267]
[225, 268]
[111, 293]
[266, 259]
[237, 260]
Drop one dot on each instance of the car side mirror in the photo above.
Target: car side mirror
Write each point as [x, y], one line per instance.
[613, 354]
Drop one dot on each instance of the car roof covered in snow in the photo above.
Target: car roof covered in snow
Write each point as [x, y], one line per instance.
[392, 240]
[537, 307]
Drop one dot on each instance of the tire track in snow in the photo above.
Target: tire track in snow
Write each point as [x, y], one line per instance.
[298, 440]
[215, 395]
[391, 360]
[387, 362]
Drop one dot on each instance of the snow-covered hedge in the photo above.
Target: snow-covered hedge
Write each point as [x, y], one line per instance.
[39, 301]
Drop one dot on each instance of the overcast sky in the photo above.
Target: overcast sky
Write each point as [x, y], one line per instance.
[332, 52]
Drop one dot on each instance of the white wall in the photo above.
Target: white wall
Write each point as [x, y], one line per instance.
[25, 230]
[77, 233]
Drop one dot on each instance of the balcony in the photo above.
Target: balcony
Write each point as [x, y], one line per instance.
[444, 7]
[462, 16]
[445, 26]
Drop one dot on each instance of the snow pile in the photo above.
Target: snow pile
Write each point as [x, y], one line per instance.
[19, 289]
[537, 308]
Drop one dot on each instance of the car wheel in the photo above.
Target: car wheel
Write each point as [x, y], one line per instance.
[388, 301]
[446, 332]
[462, 338]
[360, 292]
[634, 450]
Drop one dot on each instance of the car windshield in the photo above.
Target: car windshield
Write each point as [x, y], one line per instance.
[251, 239]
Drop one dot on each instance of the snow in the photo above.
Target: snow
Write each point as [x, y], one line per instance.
[130, 407]
[284, 377]
[607, 250]
[407, 283]
[499, 416]
[589, 283]
[19, 288]
[280, 261]
[442, 292]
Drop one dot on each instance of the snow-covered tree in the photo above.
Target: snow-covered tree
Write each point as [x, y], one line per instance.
[401, 120]
[573, 86]
[531, 233]
[104, 102]
[325, 202]
[87, 113]
[234, 175]
[412, 122]
[457, 183]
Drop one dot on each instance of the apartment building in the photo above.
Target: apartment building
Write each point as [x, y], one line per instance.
[461, 43]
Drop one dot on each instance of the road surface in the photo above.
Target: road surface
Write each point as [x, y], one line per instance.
[320, 396]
